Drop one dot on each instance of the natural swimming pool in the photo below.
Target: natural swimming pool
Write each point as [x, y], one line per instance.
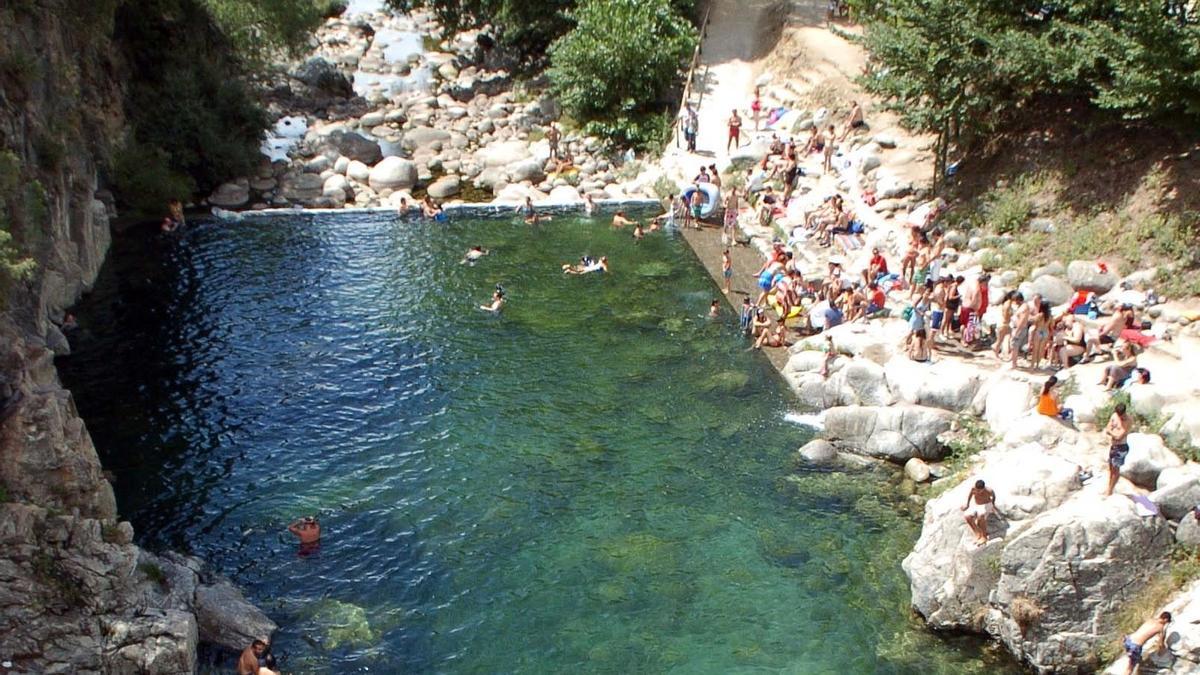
[599, 480]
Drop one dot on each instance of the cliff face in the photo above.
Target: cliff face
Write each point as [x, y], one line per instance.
[76, 596]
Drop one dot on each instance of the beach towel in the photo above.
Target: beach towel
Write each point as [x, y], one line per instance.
[1138, 338]
[849, 242]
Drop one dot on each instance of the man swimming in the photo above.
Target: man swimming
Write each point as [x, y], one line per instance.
[475, 253]
[619, 220]
[497, 301]
[308, 530]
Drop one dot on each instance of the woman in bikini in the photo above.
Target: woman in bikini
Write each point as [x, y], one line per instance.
[1004, 325]
[1040, 338]
[908, 264]
[953, 303]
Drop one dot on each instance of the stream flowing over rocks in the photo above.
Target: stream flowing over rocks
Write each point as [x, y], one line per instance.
[378, 117]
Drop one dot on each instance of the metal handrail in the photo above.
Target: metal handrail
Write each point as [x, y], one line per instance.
[691, 74]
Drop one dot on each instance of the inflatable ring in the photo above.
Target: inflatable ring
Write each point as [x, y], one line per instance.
[712, 195]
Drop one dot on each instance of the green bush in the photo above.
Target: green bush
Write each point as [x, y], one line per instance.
[192, 113]
[143, 176]
[612, 69]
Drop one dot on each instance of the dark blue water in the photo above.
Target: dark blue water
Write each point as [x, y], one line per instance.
[599, 480]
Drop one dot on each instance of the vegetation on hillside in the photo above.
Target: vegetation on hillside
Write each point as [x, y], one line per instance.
[194, 119]
[960, 68]
[610, 61]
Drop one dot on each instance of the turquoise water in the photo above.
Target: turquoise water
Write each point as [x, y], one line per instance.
[598, 480]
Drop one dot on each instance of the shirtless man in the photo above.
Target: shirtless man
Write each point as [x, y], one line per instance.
[829, 148]
[1021, 323]
[248, 663]
[308, 530]
[981, 502]
[853, 121]
[472, 255]
[619, 220]
[1118, 433]
[1136, 641]
[552, 137]
[735, 131]
[697, 206]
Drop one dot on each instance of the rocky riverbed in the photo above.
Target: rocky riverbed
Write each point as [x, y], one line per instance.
[381, 112]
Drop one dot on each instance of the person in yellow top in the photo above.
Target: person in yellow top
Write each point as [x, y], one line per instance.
[1048, 404]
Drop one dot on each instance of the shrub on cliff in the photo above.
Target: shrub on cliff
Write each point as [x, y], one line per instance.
[612, 69]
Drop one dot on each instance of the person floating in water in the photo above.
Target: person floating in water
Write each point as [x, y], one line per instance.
[308, 530]
[404, 208]
[587, 265]
[472, 255]
[497, 301]
[174, 219]
[714, 310]
[638, 233]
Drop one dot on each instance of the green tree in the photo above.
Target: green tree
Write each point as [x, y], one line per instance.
[526, 26]
[617, 62]
[959, 68]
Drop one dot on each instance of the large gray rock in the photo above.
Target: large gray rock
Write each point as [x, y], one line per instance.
[819, 451]
[1083, 275]
[946, 384]
[425, 137]
[306, 188]
[917, 470]
[1051, 288]
[503, 154]
[1188, 532]
[466, 88]
[394, 173]
[152, 641]
[358, 172]
[446, 186]
[894, 433]
[230, 195]
[1054, 269]
[527, 170]
[323, 76]
[1148, 456]
[1065, 576]
[353, 146]
[951, 579]
[1178, 490]
[226, 618]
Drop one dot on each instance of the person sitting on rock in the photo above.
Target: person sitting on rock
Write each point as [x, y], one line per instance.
[1136, 641]
[255, 660]
[1048, 404]
[981, 503]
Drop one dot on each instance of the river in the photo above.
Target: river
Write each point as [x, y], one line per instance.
[598, 480]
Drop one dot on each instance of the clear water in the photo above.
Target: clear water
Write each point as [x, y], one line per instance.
[599, 480]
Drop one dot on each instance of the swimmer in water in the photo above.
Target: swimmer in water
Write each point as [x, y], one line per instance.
[531, 215]
[308, 531]
[589, 205]
[429, 209]
[472, 255]
[497, 301]
[404, 207]
[714, 310]
[587, 265]
[619, 220]
[638, 233]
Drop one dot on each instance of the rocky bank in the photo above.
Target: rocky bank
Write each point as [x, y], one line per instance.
[381, 111]
[76, 595]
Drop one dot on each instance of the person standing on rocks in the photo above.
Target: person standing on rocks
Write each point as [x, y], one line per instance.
[727, 271]
[829, 148]
[981, 503]
[690, 123]
[553, 135]
[1117, 431]
[1136, 641]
